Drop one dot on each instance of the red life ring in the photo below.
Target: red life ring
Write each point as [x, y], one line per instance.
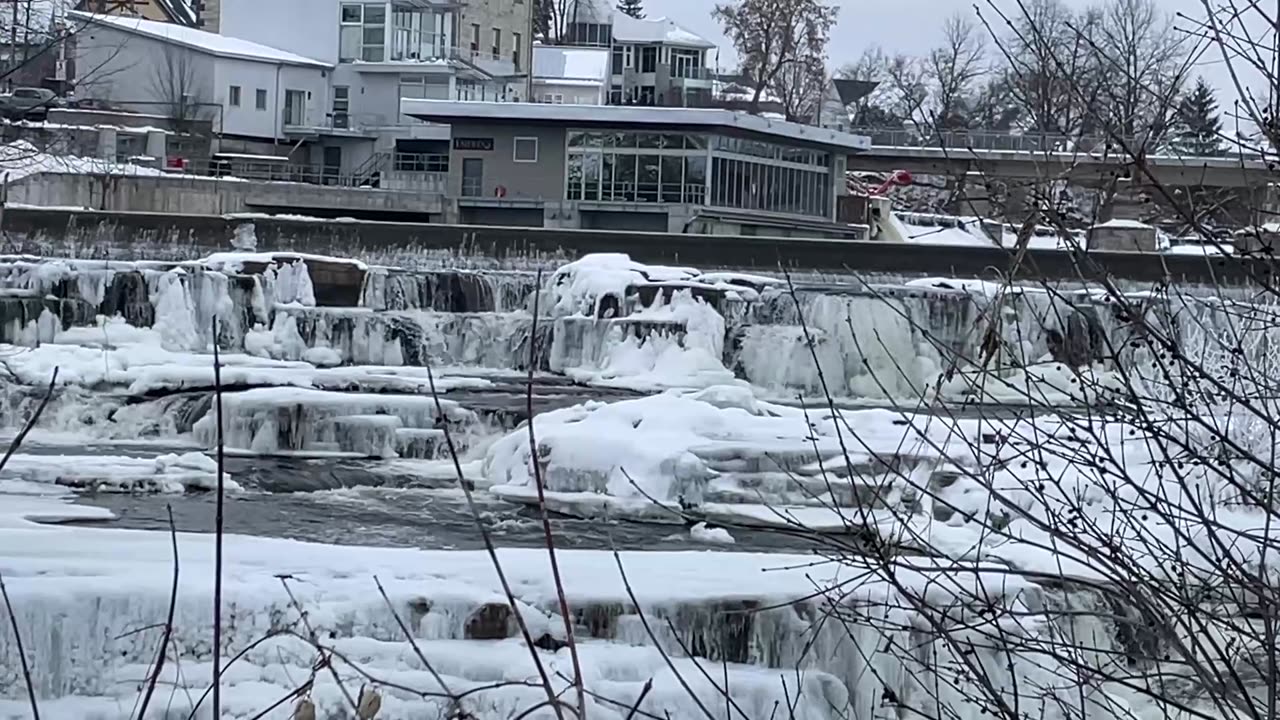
[500, 191]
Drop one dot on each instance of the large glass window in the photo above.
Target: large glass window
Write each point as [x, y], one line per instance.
[649, 59]
[756, 175]
[363, 32]
[636, 167]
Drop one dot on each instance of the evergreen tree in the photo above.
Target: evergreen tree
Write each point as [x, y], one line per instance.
[632, 8]
[1198, 127]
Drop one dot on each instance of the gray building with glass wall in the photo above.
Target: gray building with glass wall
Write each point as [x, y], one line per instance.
[640, 168]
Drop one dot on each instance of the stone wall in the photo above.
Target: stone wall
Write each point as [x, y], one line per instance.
[129, 236]
[191, 195]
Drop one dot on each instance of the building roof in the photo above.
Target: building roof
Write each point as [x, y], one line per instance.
[570, 63]
[449, 111]
[656, 30]
[211, 43]
[851, 91]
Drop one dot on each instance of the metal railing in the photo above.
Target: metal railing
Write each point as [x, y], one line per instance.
[691, 73]
[373, 175]
[985, 140]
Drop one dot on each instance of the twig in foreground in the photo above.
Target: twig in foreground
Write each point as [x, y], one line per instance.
[217, 533]
[22, 654]
[168, 623]
[31, 421]
[547, 536]
[556, 704]
[8, 607]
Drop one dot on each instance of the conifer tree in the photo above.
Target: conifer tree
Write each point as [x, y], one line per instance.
[631, 8]
[1198, 129]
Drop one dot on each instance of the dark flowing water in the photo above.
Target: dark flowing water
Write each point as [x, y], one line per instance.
[362, 502]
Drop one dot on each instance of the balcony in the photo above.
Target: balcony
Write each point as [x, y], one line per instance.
[691, 77]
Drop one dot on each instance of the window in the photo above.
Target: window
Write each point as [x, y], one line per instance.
[617, 60]
[553, 98]
[525, 150]
[352, 16]
[363, 32]
[341, 106]
[648, 59]
[260, 99]
[233, 96]
[496, 50]
[373, 38]
[515, 50]
[615, 95]
[295, 107]
[475, 37]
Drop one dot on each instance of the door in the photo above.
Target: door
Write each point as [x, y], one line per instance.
[332, 164]
[472, 177]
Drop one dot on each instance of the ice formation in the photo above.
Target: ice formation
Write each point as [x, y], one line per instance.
[88, 601]
[329, 357]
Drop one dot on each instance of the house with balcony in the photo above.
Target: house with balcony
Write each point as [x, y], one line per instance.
[658, 62]
[695, 170]
[381, 51]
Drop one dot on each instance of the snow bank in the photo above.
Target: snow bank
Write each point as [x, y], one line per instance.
[21, 159]
[88, 600]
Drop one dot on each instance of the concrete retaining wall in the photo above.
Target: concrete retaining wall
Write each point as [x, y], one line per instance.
[184, 194]
[127, 236]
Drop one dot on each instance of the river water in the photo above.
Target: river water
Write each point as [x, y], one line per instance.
[379, 503]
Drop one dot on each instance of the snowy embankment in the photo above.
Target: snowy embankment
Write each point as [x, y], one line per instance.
[88, 602]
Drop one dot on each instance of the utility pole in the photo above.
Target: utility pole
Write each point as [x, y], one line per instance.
[13, 42]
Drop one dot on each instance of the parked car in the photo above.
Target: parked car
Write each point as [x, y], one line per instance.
[25, 103]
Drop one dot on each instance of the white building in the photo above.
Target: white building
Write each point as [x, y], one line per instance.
[249, 92]
[658, 62]
[570, 75]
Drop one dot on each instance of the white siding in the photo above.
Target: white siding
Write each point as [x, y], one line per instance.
[306, 27]
[574, 94]
[250, 76]
[140, 73]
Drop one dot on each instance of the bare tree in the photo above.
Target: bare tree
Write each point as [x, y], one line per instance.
[800, 88]
[1052, 68]
[873, 109]
[908, 85]
[1146, 62]
[777, 40]
[175, 86]
[953, 69]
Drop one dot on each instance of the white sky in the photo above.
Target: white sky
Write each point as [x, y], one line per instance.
[910, 26]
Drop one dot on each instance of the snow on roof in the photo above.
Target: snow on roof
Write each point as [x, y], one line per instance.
[570, 63]
[460, 112]
[656, 30]
[1125, 224]
[212, 43]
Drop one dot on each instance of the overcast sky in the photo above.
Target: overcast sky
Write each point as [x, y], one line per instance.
[910, 26]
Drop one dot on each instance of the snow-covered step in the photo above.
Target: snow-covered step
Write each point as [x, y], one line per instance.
[781, 488]
[269, 420]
